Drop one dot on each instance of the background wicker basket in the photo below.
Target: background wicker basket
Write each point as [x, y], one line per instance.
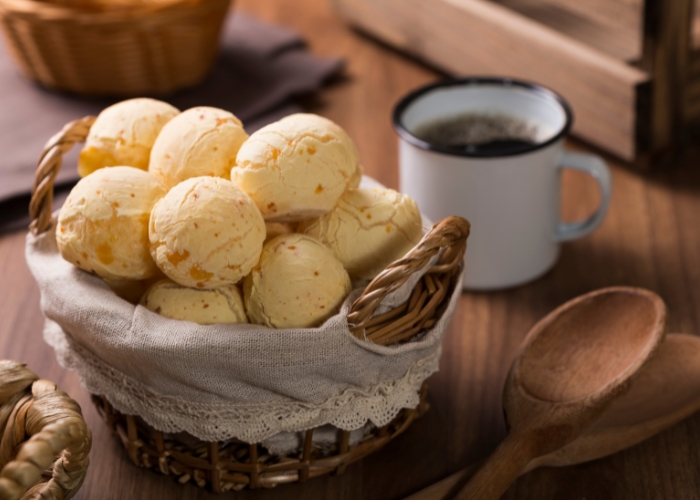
[234, 464]
[149, 48]
[45, 441]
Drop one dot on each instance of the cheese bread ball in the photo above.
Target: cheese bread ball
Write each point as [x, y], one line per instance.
[206, 307]
[356, 178]
[368, 230]
[275, 229]
[206, 233]
[296, 168]
[123, 134]
[103, 225]
[298, 283]
[199, 141]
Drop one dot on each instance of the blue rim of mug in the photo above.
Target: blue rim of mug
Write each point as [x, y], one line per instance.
[403, 104]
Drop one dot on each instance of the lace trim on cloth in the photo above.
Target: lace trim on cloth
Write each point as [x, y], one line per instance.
[348, 411]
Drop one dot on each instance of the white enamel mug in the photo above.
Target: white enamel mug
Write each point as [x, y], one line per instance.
[511, 197]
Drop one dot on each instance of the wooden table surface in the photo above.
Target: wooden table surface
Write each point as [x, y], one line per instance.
[651, 238]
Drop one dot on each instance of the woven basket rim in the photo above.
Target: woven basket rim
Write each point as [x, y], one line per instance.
[45, 11]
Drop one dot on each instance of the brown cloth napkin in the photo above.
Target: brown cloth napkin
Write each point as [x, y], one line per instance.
[260, 69]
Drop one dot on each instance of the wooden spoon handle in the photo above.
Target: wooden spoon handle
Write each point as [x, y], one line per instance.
[500, 470]
[447, 488]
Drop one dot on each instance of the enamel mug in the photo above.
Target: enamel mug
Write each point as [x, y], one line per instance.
[511, 196]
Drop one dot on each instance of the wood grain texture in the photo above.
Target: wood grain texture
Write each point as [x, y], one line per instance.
[650, 238]
[626, 66]
[611, 26]
[476, 37]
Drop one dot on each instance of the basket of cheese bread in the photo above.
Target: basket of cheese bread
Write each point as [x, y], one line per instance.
[246, 310]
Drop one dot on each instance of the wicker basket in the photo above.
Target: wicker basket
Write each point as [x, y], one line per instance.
[153, 48]
[45, 443]
[233, 464]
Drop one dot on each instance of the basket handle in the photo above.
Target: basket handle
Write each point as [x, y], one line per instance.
[58, 430]
[449, 236]
[66, 439]
[49, 165]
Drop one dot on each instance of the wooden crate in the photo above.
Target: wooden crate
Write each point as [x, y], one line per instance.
[630, 69]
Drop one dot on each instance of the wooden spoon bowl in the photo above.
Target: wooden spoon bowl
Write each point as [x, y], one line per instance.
[588, 345]
[666, 391]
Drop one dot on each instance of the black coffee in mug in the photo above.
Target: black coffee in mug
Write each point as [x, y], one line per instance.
[482, 133]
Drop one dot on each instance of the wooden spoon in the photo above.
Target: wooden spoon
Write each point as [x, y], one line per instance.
[571, 367]
[666, 391]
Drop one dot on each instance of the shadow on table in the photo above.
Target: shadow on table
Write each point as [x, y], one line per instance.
[681, 175]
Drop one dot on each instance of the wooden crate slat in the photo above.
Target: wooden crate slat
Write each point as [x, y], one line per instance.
[694, 63]
[480, 37]
[667, 56]
[694, 91]
[696, 26]
[611, 26]
[694, 72]
[693, 111]
[692, 105]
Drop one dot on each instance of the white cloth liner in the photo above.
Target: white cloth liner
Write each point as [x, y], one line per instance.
[218, 382]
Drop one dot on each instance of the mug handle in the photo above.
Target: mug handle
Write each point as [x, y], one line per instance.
[596, 168]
